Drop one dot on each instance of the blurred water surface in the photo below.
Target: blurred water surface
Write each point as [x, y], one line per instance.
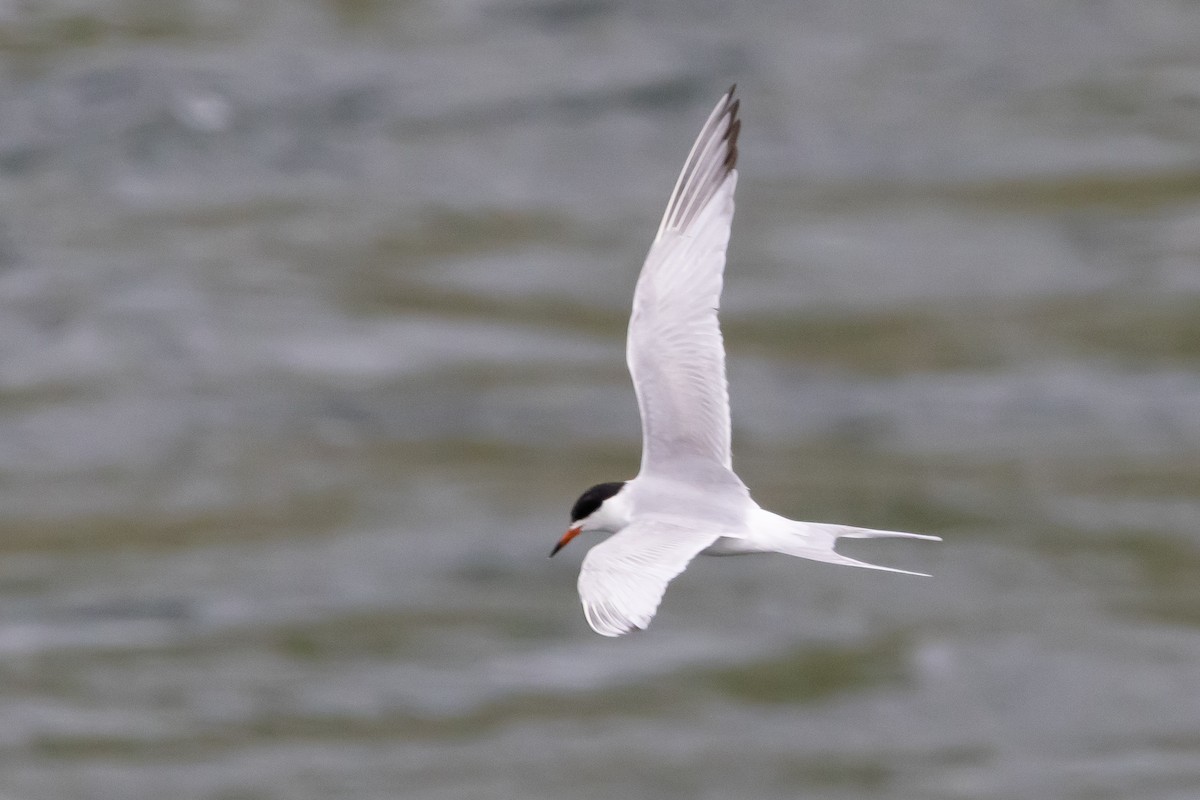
[311, 329]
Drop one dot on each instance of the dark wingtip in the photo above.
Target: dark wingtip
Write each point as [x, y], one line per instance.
[734, 107]
[735, 128]
[703, 174]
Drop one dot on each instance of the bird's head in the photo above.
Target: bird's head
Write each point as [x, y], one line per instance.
[604, 507]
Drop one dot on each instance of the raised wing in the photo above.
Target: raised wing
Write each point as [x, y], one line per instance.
[623, 578]
[675, 352]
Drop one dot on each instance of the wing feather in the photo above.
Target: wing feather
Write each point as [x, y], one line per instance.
[675, 351]
[623, 578]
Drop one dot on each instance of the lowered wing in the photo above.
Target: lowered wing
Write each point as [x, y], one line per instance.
[623, 578]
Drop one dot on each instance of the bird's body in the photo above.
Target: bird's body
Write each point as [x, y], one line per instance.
[686, 498]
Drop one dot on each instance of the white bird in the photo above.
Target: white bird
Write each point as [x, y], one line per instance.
[686, 498]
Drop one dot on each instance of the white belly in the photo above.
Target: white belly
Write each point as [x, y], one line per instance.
[729, 546]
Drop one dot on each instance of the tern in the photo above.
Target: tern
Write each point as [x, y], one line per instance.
[686, 498]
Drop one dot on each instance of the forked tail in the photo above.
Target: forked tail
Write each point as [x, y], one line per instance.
[816, 541]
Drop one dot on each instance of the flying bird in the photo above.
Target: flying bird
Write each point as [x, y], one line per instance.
[686, 498]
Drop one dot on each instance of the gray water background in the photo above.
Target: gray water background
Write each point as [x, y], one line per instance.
[311, 330]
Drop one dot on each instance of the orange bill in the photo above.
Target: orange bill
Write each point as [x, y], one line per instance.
[570, 534]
